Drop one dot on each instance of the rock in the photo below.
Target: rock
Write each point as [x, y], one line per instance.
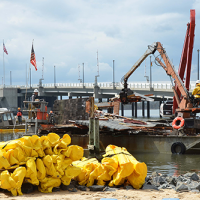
[172, 180]
[27, 188]
[164, 186]
[128, 187]
[56, 189]
[188, 175]
[154, 174]
[194, 186]
[69, 187]
[109, 189]
[96, 188]
[195, 191]
[148, 186]
[81, 187]
[181, 187]
[194, 177]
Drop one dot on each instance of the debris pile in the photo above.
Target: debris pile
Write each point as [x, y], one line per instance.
[117, 167]
[43, 161]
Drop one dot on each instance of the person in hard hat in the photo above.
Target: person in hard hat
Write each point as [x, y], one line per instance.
[19, 115]
[35, 94]
[196, 91]
[51, 117]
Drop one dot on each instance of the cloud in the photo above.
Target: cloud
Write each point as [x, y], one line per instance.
[68, 33]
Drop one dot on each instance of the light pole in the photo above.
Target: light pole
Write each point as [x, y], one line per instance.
[83, 74]
[198, 66]
[150, 75]
[54, 76]
[113, 73]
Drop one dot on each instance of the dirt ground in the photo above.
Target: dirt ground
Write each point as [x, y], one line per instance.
[120, 194]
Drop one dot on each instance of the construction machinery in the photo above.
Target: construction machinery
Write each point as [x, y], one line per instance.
[187, 104]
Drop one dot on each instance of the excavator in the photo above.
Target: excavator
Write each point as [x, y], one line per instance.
[187, 105]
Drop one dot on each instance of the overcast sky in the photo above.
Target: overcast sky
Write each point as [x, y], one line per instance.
[68, 33]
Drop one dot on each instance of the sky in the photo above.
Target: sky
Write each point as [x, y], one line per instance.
[69, 33]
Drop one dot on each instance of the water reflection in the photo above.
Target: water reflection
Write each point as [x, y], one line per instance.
[170, 164]
[10, 136]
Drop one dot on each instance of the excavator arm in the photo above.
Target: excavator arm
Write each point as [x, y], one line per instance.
[168, 67]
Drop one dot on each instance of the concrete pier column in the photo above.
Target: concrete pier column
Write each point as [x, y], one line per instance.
[60, 97]
[122, 109]
[148, 109]
[70, 97]
[135, 109]
[142, 108]
[159, 108]
[100, 100]
[132, 105]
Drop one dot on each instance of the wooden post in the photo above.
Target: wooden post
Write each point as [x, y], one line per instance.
[91, 127]
[96, 135]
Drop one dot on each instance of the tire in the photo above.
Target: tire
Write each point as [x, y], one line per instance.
[178, 148]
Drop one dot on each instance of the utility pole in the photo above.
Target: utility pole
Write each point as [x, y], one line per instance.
[113, 73]
[54, 76]
[79, 71]
[198, 66]
[30, 77]
[10, 78]
[150, 75]
[83, 74]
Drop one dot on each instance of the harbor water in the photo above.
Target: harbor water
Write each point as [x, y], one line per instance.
[168, 164]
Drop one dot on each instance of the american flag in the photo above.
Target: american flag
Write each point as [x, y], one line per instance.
[33, 60]
[4, 49]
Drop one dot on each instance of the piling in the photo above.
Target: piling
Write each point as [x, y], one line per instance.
[135, 109]
[148, 109]
[133, 114]
[143, 108]
[122, 109]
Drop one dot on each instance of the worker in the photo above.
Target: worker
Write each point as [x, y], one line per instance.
[35, 94]
[196, 91]
[19, 115]
[51, 117]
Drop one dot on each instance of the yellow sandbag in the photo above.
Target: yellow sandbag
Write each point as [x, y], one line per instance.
[10, 144]
[87, 166]
[37, 145]
[41, 170]
[58, 160]
[8, 183]
[53, 139]
[45, 142]
[31, 173]
[18, 176]
[110, 166]
[97, 171]
[4, 164]
[50, 169]
[47, 184]
[125, 168]
[19, 154]
[74, 152]
[70, 172]
[10, 157]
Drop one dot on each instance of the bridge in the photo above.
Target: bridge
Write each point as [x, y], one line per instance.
[13, 96]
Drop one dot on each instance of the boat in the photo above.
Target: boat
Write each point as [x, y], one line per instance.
[8, 122]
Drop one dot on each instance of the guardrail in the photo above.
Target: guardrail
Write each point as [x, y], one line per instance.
[139, 85]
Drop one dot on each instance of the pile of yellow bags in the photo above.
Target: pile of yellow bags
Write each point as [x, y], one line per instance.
[118, 167]
[48, 161]
[44, 161]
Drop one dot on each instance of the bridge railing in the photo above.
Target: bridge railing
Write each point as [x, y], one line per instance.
[132, 85]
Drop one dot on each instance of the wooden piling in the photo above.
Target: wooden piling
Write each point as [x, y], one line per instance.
[143, 108]
[135, 109]
[148, 109]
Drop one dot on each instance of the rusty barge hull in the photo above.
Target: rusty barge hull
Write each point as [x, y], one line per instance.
[143, 143]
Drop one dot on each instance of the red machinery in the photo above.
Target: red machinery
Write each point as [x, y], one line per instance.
[186, 57]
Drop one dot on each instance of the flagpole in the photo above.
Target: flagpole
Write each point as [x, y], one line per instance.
[3, 69]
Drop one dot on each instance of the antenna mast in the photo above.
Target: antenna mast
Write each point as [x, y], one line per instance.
[97, 65]
[79, 71]
[42, 68]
